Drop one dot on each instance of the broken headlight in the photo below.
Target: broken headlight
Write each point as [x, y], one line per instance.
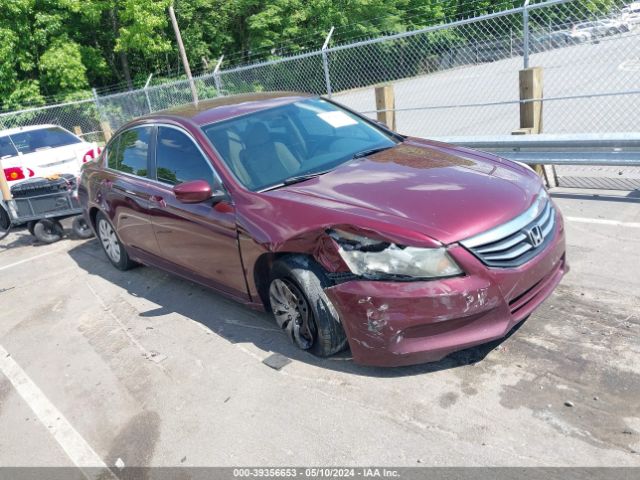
[372, 258]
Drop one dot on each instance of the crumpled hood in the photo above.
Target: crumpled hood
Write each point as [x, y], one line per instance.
[445, 192]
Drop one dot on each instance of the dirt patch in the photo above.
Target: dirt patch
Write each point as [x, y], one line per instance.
[134, 445]
[573, 352]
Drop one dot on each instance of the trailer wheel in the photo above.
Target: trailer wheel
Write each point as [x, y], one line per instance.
[48, 231]
[5, 223]
[81, 228]
[31, 225]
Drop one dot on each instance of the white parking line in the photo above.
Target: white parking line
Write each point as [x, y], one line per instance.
[76, 448]
[602, 221]
[11, 265]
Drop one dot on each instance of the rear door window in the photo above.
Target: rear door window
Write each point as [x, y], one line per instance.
[129, 152]
[179, 160]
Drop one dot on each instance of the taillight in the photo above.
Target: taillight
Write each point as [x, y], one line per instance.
[16, 173]
[91, 154]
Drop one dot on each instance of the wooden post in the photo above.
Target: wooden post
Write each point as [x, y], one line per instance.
[386, 105]
[77, 130]
[531, 82]
[4, 185]
[531, 88]
[106, 129]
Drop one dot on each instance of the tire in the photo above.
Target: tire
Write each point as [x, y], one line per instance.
[302, 309]
[48, 231]
[111, 244]
[30, 226]
[5, 223]
[81, 228]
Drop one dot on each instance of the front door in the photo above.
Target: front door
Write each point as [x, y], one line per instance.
[201, 238]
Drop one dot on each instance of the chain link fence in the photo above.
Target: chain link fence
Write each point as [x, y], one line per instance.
[455, 79]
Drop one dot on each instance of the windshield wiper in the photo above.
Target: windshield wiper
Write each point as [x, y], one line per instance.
[371, 151]
[302, 178]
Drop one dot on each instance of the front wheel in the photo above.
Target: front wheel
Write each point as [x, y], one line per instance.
[302, 309]
[111, 244]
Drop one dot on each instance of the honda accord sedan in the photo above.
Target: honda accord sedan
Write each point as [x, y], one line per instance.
[403, 249]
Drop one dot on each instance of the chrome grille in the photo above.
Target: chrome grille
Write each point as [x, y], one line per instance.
[516, 242]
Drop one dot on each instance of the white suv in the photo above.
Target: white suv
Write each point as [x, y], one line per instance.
[42, 150]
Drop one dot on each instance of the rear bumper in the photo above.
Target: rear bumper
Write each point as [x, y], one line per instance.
[404, 323]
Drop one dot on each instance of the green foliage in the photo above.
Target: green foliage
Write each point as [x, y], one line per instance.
[61, 68]
[58, 49]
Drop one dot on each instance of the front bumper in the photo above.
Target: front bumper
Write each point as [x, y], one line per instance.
[404, 323]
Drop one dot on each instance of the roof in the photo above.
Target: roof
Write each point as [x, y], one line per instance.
[27, 128]
[222, 108]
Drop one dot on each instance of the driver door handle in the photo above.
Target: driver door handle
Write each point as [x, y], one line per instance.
[158, 200]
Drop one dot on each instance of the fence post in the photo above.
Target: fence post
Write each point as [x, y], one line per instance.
[531, 94]
[146, 93]
[104, 121]
[106, 129]
[525, 33]
[216, 76]
[386, 106]
[325, 62]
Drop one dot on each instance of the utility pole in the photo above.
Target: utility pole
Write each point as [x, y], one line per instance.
[183, 54]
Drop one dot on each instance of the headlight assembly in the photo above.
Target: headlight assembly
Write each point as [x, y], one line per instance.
[376, 259]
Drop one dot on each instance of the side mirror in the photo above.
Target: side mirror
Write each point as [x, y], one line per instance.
[195, 191]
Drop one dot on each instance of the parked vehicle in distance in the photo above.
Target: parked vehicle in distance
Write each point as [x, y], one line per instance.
[557, 39]
[42, 150]
[600, 28]
[403, 248]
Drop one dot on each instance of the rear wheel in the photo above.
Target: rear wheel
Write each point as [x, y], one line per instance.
[48, 231]
[111, 244]
[302, 309]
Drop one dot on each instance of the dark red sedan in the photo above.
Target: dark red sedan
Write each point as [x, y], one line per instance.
[405, 249]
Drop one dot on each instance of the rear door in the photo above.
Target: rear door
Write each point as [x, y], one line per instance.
[126, 191]
[199, 238]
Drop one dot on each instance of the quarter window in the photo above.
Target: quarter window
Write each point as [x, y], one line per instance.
[128, 153]
[179, 160]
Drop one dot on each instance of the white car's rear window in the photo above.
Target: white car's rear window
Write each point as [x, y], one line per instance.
[34, 140]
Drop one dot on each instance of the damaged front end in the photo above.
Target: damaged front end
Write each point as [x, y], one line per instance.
[401, 305]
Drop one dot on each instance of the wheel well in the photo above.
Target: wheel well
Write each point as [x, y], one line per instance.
[262, 273]
[92, 216]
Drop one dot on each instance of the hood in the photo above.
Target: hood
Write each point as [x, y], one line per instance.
[444, 192]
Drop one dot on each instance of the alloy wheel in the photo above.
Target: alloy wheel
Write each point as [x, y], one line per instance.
[109, 240]
[292, 312]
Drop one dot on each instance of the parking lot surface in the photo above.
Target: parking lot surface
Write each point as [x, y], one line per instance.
[142, 368]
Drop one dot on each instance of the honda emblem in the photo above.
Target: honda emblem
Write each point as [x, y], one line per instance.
[535, 236]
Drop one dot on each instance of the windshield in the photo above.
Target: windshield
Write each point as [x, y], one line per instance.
[33, 140]
[266, 148]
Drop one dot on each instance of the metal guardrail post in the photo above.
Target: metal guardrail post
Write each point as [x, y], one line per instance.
[325, 62]
[525, 33]
[216, 76]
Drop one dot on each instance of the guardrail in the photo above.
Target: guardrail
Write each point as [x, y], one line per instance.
[612, 149]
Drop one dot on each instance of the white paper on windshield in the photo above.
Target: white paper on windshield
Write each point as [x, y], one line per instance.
[337, 119]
